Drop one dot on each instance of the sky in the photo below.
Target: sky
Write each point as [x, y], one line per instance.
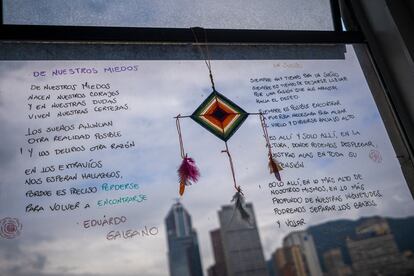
[235, 14]
[57, 244]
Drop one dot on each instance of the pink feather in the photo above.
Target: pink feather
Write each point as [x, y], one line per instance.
[188, 173]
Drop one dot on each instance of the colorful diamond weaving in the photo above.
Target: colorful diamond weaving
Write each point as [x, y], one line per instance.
[219, 115]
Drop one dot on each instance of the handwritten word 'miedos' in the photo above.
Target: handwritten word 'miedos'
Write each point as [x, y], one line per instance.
[119, 69]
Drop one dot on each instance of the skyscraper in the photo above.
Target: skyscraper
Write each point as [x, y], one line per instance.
[219, 268]
[334, 263]
[305, 242]
[183, 251]
[289, 261]
[240, 242]
[374, 250]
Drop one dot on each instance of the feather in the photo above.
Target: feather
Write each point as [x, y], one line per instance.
[275, 168]
[188, 173]
[182, 188]
[238, 199]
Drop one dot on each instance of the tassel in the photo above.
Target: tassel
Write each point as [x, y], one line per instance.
[188, 173]
[238, 199]
[274, 167]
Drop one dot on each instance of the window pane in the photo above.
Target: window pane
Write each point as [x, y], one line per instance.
[232, 14]
[90, 151]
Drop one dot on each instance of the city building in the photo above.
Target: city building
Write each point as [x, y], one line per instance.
[183, 251]
[236, 245]
[374, 251]
[219, 268]
[278, 261]
[305, 243]
[334, 263]
[271, 269]
[289, 261]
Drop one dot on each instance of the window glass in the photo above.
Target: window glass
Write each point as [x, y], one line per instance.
[90, 152]
[232, 14]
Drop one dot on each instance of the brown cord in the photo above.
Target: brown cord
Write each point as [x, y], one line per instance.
[207, 61]
[266, 134]
[180, 137]
[206, 56]
[231, 167]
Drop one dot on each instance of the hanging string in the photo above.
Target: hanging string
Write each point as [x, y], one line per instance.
[180, 137]
[265, 133]
[207, 61]
[231, 167]
[188, 172]
[274, 166]
[206, 57]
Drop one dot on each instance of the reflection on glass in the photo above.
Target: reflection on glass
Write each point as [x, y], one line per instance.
[344, 247]
[89, 158]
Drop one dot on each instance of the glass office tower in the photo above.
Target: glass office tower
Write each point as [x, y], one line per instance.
[183, 252]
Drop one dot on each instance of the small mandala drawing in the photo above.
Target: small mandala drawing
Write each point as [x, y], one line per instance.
[10, 228]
